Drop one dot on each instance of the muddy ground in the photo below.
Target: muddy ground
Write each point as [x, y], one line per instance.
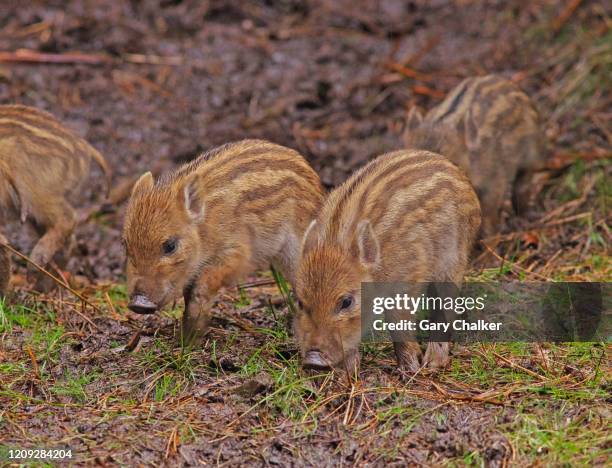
[155, 83]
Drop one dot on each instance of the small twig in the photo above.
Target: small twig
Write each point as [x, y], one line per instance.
[565, 15]
[57, 270]
[572, 204]
[238, 321]
[112, 308]
[482, 398]
[34, 362]
[427, 91]
[409, 72]
[534, 227]
[145, 59]
[417, 56]
[173, 442]
[544, 360]
[129, 79]
[32, 56]
[513, 265]
[255, 284]
[134, 340]
[514, 365]
[568, 219]
[25, 31]
[551, 260]
[56, 280]
[561, 160]
[269, 397]
[349, 406]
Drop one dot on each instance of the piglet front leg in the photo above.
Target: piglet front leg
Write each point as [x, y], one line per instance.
[196, 316]
[199, 296]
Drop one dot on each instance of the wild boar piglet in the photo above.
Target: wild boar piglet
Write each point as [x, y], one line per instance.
[489, 128]
[407, 216]
[235, 209]
[41, 164]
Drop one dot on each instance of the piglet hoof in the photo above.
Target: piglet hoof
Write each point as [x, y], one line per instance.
[532, 215]
[190, 339]
[313, 359]
[409, 363]
[437, 355]
[40, 281]
[351, 364]
[39, 257]
[193, 330]
[45, 284]
[408, 356]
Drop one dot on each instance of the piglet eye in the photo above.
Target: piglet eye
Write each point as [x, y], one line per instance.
[346, 302]
[300, 304]
[170, 246]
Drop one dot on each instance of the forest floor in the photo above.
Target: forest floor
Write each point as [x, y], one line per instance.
[154, 83]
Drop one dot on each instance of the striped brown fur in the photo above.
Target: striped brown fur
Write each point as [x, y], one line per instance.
[235, 209]
[406, 216]
[41, 163]
[488, 127]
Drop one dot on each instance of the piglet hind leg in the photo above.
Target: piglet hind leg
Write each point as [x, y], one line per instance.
[5, 267]
[407, 349]
[437, 354]
[59, 222]
[491, 215]
[526, 188]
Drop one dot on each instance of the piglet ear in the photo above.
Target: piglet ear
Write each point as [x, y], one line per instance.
[415, 118]
[367, 242]
[145, 182]
[194, 200]
[311, 237]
